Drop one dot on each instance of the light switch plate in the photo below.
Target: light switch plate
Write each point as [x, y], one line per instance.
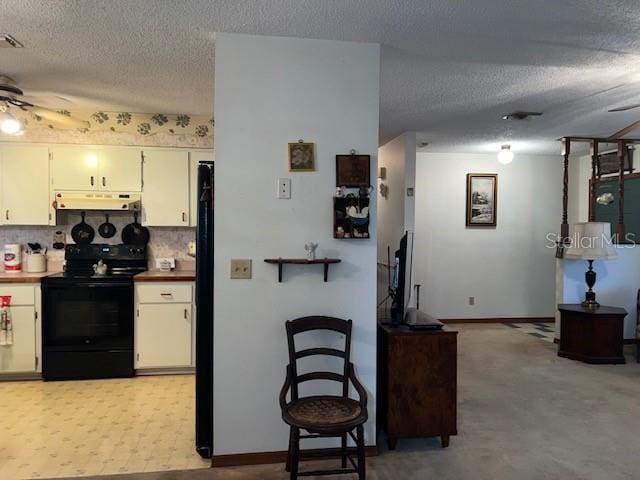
[240, 268]
[284, 188]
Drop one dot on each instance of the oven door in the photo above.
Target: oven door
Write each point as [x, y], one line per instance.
[88, 315]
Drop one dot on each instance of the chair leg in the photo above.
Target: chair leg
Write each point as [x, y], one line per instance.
[361, 458]
[295, 453]
[343, 450]
[288, 466]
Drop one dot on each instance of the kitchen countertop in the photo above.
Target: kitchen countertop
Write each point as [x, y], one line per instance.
[172, 276]
[24, 277]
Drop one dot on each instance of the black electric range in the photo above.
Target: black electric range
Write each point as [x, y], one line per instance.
[88, 319]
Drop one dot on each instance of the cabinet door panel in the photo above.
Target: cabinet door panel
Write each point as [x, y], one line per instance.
[120, 170]
[21, 356]
[165, 195]
[163, 335]
[24, 185]
[74, 168]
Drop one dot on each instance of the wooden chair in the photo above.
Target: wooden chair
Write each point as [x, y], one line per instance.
[324, 415]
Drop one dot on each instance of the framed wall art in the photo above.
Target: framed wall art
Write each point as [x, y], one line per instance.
[353, 170]
[302, 157]
[482, 195]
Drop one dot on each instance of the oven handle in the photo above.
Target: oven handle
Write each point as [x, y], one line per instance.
[100, 285]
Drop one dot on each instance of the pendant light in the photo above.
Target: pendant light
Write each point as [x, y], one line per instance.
[505, 155]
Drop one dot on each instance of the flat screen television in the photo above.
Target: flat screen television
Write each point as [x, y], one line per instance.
[399, 283]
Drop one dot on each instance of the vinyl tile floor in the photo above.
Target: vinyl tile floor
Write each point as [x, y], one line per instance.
[97, 427]
[523, 414]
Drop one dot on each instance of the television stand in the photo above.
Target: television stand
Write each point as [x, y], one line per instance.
[417, 383]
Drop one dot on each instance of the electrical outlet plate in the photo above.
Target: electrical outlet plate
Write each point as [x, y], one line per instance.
[240, 268]
[284, 188]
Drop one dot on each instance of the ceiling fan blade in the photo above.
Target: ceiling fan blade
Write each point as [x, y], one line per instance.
[59, 118]
[621, 133]
[625, 108]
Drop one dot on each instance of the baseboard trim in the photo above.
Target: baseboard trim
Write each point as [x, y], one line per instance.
[500, 320]
[626, 341]
[261, 458]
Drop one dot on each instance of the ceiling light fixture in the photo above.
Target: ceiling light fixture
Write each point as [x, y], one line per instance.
[10, 124]
[520, 115]
[505, 155]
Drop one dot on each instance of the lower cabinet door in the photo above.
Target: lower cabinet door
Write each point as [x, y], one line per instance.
[163, 335]
[21, 355]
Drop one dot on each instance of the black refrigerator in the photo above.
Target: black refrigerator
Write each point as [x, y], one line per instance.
[204, 311]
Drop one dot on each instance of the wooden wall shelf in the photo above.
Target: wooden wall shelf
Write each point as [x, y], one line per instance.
[302, 261]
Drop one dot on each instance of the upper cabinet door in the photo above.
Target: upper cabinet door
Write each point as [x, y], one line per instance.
[24, 185]
[74, 168]
[165, 194]
[120, 170]
[196, 156]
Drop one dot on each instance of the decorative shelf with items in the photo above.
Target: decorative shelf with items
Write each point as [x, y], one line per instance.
[352, 197]
[302, 261]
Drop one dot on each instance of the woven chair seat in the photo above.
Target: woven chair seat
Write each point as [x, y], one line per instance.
[324, 411]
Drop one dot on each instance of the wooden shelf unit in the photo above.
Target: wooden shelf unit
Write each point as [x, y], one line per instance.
[302, 261]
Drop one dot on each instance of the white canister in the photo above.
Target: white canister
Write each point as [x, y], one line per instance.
[36, 262]
[13, 258]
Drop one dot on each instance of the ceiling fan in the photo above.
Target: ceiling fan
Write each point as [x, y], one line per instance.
[11, 96]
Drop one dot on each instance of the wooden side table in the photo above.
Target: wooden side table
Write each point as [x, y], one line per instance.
[417, 383]
[592, 335]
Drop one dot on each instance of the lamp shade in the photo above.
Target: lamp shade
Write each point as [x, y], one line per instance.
[591, 241]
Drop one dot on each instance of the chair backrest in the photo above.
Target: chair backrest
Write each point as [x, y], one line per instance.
[306, 324]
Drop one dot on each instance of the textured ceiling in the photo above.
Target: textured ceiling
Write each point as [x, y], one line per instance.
[450, 69]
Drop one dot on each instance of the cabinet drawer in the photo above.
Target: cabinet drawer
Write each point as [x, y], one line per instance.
[164, 293]
[20, 294]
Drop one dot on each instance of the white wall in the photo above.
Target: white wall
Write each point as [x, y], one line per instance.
[508, 269]
[396, 211]
[271, 91]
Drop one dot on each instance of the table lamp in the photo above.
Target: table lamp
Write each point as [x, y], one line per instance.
[591, 241]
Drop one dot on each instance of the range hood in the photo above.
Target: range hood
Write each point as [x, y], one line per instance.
[96, 201]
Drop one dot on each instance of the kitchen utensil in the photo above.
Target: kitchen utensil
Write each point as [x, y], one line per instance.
[34, 247]
[134, 233]
[83, 233]
[107, 229]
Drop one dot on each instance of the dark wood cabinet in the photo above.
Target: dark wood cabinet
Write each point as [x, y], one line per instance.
[592, 335]
[417, 383]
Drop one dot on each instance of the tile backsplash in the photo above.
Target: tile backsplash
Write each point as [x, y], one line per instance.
[164, 241]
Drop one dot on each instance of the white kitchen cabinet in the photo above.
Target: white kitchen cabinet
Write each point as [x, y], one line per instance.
[196, 156]
[74, 168]
[120, 170]
[163, 335]
[22, 356]
[24, 185]
[165, 194]
[110, 169]
[164, 325]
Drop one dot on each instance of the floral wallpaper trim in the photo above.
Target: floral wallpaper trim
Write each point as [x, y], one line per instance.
[146, 124]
